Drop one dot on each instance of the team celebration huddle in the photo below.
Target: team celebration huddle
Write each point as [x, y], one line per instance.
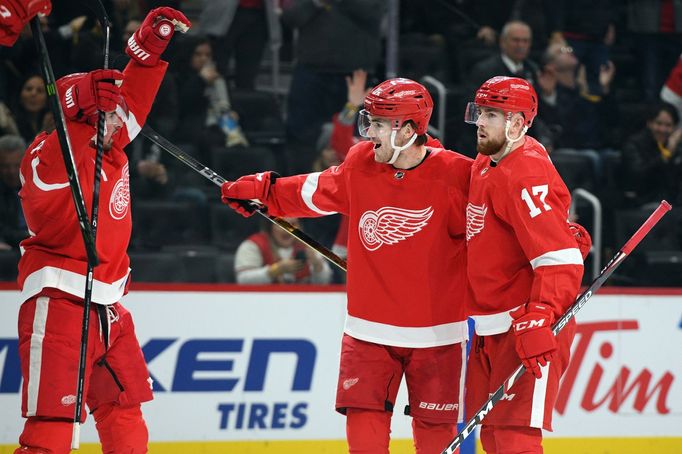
[434, 239]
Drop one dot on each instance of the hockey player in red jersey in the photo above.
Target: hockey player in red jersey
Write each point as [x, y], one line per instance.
[53, 265]
[405, 197]
[525, 264]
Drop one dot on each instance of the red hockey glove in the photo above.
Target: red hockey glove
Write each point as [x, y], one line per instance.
[535, 342]
[15, 14]
[147, 44]
[249, 187]
[582, 238]
[97, 90]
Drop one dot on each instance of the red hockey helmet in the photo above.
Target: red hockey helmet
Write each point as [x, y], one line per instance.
[400, 100]
[510, 94]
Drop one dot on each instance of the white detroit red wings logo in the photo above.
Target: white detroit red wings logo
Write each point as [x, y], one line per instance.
[120, 196]
[475, 219]
[389, 225]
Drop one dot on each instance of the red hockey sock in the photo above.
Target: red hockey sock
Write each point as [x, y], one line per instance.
[432, 438]
[121, 429]
[45, 436]
[368, 431]
[511, 440]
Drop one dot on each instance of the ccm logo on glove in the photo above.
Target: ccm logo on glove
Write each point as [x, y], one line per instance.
[532, 323]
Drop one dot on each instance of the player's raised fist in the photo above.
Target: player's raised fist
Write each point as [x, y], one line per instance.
[15, 14]
[149, 41]
[86, 93]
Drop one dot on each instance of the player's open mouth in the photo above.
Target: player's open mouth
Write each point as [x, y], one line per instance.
[377, 145]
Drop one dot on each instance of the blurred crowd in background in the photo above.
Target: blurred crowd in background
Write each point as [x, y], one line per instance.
[276, 85]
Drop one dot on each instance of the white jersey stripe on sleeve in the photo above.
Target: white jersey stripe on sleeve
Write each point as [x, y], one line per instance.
[36, 354]
[132, 125]
[40, 184]
[308, 190]
[569, 256]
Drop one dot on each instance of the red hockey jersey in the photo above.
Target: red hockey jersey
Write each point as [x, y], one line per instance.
[54, 254]
[519, 245]
[406, 253]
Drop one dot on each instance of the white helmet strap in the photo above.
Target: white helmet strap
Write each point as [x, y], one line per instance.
[397, 150]
[510, 141]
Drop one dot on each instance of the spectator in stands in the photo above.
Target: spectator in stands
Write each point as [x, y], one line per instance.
[206, 116]
[588, 27]
[239, 29]
[656, 27]
[273, 256]
[578, 120]
[492, 15]
[7, 123]
[339, 135]
[12, 222]
[652, 158]
[30, 109]
[335, 38]
[515, 42]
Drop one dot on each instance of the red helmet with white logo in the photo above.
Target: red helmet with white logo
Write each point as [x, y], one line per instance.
[400, 100]
[510, 94]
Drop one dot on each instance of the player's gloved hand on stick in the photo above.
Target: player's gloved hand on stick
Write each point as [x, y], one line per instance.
[249, 187]
[150, 40]
[97, 90]
[535, 341]
[15, 14]
[582, 237]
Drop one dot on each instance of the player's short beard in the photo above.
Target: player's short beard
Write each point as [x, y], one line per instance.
[490, 146]
[105, 146]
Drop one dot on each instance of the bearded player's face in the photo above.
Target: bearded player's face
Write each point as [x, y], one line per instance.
[112, 125]
[490, 136]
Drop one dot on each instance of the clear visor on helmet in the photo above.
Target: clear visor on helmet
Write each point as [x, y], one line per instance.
[472, 112]
[369, 126]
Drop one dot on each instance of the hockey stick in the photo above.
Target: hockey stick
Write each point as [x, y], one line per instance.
[218, 180]
[64, 141]
[99, 10]
[631, 244]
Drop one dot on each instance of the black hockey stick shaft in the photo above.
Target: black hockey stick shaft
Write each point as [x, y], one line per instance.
[218, 180]
[646, 227]
[94, 213]
[64, 141]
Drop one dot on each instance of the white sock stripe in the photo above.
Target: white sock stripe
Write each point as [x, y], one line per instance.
[537, 412]
[462, 376]
[36, 354]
